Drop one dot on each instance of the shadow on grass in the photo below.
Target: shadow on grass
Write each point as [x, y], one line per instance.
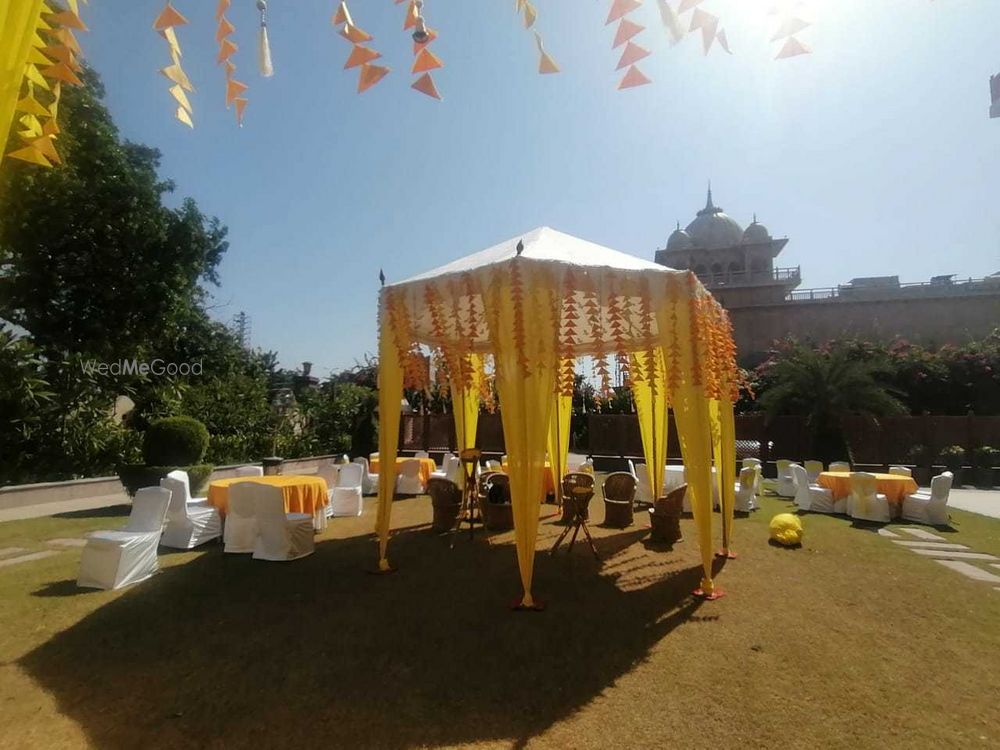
[66, 587]
[111, 511]
[225, 651]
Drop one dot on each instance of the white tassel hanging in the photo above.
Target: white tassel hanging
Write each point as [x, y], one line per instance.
[263, 43]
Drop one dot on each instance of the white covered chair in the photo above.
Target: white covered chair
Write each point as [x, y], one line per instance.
[112, 559]
[493, 465]
[450, 469]
[240, 532]
[249, 471]
[408, 480]
[369, 481]
[813, 470]
[281, 536]
[900, 471]
[345, 497]
[810, 496]
[642, 492]
[930, 507]
[189, 524]
[865, 502]
[746, 499]
[421, 454]
[785, 486]
[841, 466]
[759, 476]
[183, 483]
[329, 472]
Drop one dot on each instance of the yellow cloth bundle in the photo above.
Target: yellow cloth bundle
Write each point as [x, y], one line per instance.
[786, 529]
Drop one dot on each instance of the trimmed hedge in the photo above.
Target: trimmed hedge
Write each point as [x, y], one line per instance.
[175, 441]
[136, 476]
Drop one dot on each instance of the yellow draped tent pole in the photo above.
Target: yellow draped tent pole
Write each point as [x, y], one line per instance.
[465, 387]
[18, 23]
[390, 394]
[559, 428]
[727, 423]
[649, 391]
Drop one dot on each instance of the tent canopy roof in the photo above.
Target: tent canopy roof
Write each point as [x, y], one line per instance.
[544, 244]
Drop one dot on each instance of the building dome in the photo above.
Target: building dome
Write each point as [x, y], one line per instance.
[756, 233]
[679, 239]
[713, 229]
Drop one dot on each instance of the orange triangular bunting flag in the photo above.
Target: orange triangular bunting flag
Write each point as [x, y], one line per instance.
[221, 8]
[361, 55]
[30, 154]
[241, 105]
[792, 48]
[226, 49]
[233, 89]
[370, 75]
[621, 8]
[632, 54]
[61, 72]
[634, 77]
[411, 16]
[626, 30]
[66, 37]
[426, 60]
[224, 30]
[69, 20]
[425, 85]
[168, 17]
[341, 15]
[47, 149]
[50, 127]
[354, 34]
[546, 64]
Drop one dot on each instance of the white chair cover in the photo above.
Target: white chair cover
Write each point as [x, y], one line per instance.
[493, 465]
[421, 454]
[865, 503]
[930, 507]
[369, 481]
[408, 480]
[785, 486]
[281, 536]
[112, 559]
[642, 492]
[813, 470]
[345, 498]
[330, 473]
[249, 471]
[746, 500]
[809, 496]
[188, 524]
[240, 532]
[901, 471]
[841, 466]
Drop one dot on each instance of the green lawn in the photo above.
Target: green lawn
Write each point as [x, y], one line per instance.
[850, 641]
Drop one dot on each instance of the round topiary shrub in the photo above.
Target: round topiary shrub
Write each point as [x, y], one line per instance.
[175, 441]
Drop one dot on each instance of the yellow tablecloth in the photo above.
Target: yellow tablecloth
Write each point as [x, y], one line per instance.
[894, 486]
[550, 484]
[427, 466]
[303, 494]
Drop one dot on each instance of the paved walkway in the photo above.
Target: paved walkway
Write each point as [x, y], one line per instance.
[983, 502]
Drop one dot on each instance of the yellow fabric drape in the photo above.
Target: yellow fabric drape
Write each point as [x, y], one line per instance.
[465, 404]
[390, 393]
[649, 391]
[691, 414]
[715, 426]
[727, 422]
[522, 296]
[559, 428]
[18, 21]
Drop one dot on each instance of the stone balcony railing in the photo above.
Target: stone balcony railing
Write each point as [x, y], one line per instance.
[790, 277]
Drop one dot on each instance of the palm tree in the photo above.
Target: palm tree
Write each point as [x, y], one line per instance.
[823, 387]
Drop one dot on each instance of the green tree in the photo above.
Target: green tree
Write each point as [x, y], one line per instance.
[823, 387]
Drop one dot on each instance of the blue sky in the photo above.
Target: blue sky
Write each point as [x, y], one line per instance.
[874, 154]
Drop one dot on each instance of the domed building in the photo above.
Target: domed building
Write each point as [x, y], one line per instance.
[736, 264]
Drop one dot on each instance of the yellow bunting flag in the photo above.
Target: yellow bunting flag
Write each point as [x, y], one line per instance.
[546, 64]
[164, 24]
[671, 21]
[425, 85]
[723, 41]
[370, 75]
[361, 55]
[30, 154]
[31, 74]
[634, 77]
[47, 148]
[708, 24]
[178, 93]
[184, 116]
[530, 15]
[176, 74]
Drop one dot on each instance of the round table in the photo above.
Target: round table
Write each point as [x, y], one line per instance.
[302, 494]
[895, 487]
[427, 466]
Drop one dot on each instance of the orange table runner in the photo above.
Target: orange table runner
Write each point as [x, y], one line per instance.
[427, 466]
[894, 486]
[303, 494]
